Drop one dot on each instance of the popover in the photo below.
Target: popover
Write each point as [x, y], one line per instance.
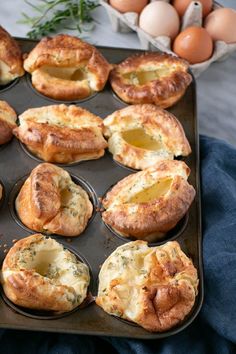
[50, 202]
[38, 273]
[156, 78]
[62, 134]
[11, 64]
[154, 287]
[147, 204]
[66, 68]
[141, 135]
[7, 122]
[1, 192]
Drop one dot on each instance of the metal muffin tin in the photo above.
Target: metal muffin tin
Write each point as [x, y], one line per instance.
[97, 242]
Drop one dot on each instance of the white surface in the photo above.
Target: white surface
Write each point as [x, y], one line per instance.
[216, 87]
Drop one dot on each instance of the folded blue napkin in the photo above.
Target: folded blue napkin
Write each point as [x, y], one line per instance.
[214, 330]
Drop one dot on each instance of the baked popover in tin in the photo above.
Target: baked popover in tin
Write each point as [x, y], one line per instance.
[141, 135]
[50, 202]
[8, 119]
[62, 134]
[156, 78]
[11, 63]
[147, 204]
[38, 273]
[154, 287]
[64, 67]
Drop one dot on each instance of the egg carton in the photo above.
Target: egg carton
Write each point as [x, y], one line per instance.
[128, 22]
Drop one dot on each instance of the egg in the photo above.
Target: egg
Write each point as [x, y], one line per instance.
[182, 5]
[159, 19]
[128, 5]
[193, 44]
[221, 25]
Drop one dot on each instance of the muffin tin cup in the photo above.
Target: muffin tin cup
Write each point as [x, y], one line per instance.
[97, 242]
[8, 86]
[77, 180]
[52, 315]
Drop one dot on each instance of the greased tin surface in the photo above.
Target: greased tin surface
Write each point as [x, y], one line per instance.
[97, 242]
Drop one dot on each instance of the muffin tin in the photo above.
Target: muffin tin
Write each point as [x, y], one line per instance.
[98, 241]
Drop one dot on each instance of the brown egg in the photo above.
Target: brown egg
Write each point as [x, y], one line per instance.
[128, 5]
[181, 6]
[221, 25]
[193, 44]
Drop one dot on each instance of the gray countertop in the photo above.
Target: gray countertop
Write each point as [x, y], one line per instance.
[216, 87]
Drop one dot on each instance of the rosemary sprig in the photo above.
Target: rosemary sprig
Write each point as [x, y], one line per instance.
[53, 14]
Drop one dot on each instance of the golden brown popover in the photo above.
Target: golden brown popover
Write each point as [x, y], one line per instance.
[62, 134]
[155, 287]
[156, 78]
[66, 68]
[7, 122]
[1, 192]
[50, 202]
[149, 203]
[11, 64]
[141, 135]
[38, 273]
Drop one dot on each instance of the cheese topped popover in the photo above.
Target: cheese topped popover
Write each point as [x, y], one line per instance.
[155, 287]
[38, 273]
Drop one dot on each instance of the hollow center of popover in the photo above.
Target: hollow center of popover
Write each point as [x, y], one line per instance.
[139, 138]
[157, 190]
[70, 73]
[44, 258]
[142, 77]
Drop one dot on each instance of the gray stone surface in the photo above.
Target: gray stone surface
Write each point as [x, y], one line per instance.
[216, 87]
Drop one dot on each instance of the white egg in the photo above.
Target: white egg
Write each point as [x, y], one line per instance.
[159, 19]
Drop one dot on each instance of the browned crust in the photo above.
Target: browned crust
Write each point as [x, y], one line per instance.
[66, 51]
[163, 92]
[10, 53]
[28, 290]
[39, 204]
[167, 295]
[53, 143]
[156, 217]
[6, 125]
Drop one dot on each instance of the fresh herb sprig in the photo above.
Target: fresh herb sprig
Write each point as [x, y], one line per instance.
[53, 14]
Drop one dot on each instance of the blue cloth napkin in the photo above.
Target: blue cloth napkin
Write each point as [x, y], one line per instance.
[214, 330]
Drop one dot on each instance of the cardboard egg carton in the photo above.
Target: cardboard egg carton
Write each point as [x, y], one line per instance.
[128, 22]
